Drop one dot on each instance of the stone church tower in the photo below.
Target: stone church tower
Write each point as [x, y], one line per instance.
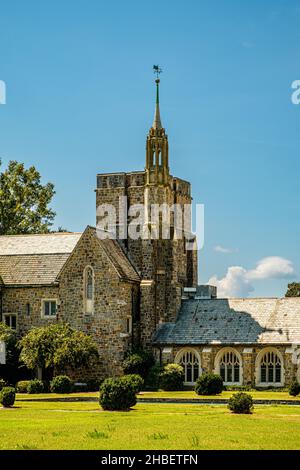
[162, 260]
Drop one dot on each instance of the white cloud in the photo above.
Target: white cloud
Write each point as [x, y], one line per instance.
[238, 281]
[272, 267]
[222, 249]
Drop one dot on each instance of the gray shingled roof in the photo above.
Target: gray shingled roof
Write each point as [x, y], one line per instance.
[232, 321]
[31, 269]
[39, 244]
[38, 259]
[119, 259]
[34, 259]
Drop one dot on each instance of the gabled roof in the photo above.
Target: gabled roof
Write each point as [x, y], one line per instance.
[31, 269]
[39, 259]
[233, 321]
[35, 259]
[119, 259]
[39, 244]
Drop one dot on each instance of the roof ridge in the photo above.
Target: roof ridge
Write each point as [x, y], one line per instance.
[39, 234]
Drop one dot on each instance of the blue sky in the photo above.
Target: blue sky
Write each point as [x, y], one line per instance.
[80, 100]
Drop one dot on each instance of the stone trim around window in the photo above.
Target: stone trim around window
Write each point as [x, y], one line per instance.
[189, 356]
[43, 301]
[258, 361]
[219, 356]
[9, 315]
[88, 290]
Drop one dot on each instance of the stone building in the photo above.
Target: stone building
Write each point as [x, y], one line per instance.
[143, 292]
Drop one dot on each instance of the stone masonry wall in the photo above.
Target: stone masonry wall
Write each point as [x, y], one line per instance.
[249, 354]
[112, 304]
[15, 300]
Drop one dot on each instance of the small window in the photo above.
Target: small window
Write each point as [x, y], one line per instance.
[27, 309]
[11, 321]
[49, 308]
[88, 290]
[129, 325]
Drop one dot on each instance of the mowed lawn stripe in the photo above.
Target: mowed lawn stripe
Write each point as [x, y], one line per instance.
[85, 426]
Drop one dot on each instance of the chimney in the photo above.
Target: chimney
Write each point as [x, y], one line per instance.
[202, 292]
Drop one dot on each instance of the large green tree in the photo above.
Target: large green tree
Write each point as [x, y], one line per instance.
[57, 346]
[24, 201]
[293, 290]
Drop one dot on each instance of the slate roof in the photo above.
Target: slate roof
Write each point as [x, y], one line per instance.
[233, 321]
[119, 259]
[31, 269]
[48, 243]
[34, 259]
[38, 259]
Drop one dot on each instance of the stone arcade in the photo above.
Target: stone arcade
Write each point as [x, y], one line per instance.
[129, 292]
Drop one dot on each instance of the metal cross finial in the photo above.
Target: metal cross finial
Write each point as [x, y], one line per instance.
[157, 70]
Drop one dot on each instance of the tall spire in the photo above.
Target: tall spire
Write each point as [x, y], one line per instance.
[157, 121]
[157, 149]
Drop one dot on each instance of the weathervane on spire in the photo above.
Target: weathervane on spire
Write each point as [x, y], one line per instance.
[157, 70]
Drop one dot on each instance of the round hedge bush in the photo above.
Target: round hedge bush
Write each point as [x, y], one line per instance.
[135, 381]
[22, 386]
[117, 394]
[209, 384]
[172, 377]
[294, 389]
[61, 384]
[35, 386]
[241, 403]
[7, 396]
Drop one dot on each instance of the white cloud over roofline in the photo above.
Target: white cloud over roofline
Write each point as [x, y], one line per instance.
[238, 281]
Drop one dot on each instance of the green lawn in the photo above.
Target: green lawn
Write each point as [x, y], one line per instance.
[260, 395]
[190, 394]
[45, 425]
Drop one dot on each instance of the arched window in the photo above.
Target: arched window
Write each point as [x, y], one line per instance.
[269, 368]
[228, 364]
[88, 289]
[189, 359]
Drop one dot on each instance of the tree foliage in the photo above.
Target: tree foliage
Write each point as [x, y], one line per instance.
[24, 201]
[293, 290]
[57, 345]
[9, 336]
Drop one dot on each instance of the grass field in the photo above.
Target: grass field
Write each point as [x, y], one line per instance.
[190, 394]
[57, 425]
[260, 395]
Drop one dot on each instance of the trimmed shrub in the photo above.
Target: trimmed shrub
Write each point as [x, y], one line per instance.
[138, 363]
[171, 377]
[241, 403]
[209, 384]
[7, 396]
[2, 384]
[152, 379]
[294, 389]
[35, 386]
[22, 386]
[135, 381]
[117, 394]
[61, 384]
